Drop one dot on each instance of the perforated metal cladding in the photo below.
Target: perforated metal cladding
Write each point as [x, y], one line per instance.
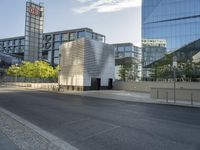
[71, 63]
[84, 59]
[96, 57]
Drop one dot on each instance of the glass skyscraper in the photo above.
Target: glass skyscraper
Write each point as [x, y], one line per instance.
[175, 21]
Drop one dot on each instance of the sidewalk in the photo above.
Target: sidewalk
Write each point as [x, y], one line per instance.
[17, 133]
[116, 95]
[121, 95]
[132, 96]
[6, 143]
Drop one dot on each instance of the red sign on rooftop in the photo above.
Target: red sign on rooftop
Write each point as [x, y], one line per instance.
[33, 11]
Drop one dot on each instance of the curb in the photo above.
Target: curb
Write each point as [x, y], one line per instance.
[53, 140]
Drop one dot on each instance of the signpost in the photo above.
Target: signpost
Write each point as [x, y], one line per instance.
[174, 65]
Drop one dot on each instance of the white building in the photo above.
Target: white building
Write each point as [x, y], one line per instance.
[86, 64]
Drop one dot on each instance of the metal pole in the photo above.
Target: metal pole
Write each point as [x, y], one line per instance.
[167, 97]
[174, 85]
[191, 99]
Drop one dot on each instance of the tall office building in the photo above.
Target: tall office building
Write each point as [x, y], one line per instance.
[33, 31]
[176, 22]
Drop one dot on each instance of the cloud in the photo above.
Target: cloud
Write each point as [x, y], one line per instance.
[105, 6]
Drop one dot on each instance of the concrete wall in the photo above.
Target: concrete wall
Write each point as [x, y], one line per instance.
[28, 80]
[146, 86]
[46, 86]
[181, 94]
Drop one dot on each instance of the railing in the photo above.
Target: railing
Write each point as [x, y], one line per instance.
[183, 96]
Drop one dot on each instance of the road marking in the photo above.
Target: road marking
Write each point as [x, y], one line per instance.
[59, 143]
[101, 132]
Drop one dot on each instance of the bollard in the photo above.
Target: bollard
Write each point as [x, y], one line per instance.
[167, 97]
[157, 94]
[191, 99]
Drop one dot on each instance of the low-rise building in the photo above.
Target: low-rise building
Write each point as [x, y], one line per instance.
[127, 53]
[86, 64]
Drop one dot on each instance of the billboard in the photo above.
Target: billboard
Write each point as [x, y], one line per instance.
[33, 31]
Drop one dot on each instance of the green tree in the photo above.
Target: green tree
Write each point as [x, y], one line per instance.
[13, 71]
[56, 71]
[185, 70]
[27, 70]
[126, 72]
[37, 69]
[43, 70]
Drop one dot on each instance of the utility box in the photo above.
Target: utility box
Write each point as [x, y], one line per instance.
[86, 64]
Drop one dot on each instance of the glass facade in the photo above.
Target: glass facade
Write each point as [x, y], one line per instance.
[176, 22]
[7, 60]
[127, 50]
[152, 50]
[12, 46]
[50, 43]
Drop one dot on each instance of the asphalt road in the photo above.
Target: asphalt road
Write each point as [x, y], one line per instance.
[103, 124]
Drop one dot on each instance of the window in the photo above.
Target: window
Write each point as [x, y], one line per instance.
[56, 53]
[1, 45]
[22, 49]
[56, 60]
[5, 43]
[128, 48]
[56, 45]
[11, 43]
[81, 34]
[16, 49]
[22, 42]
[16, 42]
[65, 37]
[128, 54]
[100, 38]
[48, 46]
[57, 37]
[120, 55]
[48, 38]
[72, 36]
[89, 35]
[120, 49]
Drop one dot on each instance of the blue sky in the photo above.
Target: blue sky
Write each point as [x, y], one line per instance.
[119, 20]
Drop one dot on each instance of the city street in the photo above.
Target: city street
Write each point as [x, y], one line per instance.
[90, 123]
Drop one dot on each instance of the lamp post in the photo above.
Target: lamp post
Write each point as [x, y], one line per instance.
[174, 65]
